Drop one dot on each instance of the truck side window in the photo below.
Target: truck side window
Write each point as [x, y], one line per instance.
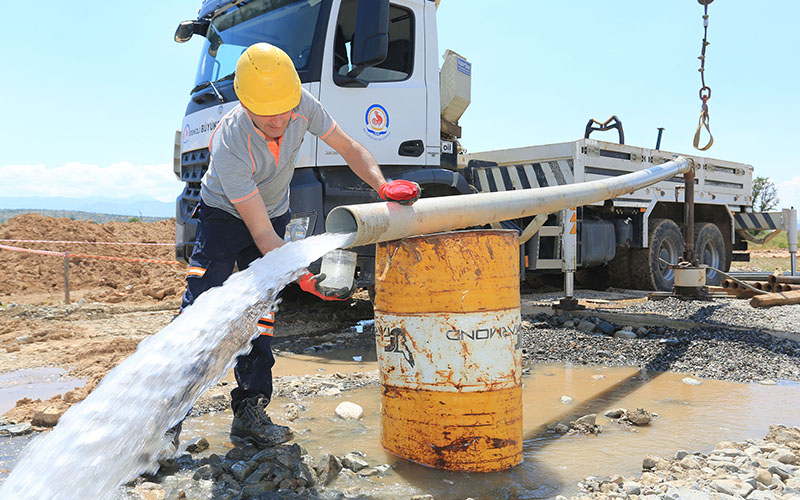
[399, 61]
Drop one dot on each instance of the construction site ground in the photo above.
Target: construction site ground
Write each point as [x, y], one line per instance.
[116, 304]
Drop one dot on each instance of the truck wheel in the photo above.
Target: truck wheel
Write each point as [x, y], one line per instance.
[593, 278]
[665, 242]
[619, 269]
[709, 249]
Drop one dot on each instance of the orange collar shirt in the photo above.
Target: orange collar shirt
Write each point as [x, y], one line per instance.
[244, 163]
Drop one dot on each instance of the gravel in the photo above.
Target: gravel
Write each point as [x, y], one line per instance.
[707, 351]
[720, 312]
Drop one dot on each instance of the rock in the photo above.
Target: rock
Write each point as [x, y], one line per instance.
[680, 454]
[349, 411]
[690, 381]
[605, 327]
[624, 334]
[566, 400]
[641, 331]
[303, 472]
[422, 497]
[568, 324]
[330, 391]
[762, 495]
[783, 456]
[257, 490]
[732, 487]
[48, 417]
[651, 462]
[16, 429]
[288, 455]
[598, 377]
[383, 468]
[354, 462]
[292, 412]
[238, 453]
[781, 434]
[763, 476]
[560, 428]
[241, 469]
[204, 472]
[685, 494]
[586, 326]
[615, 413]
[632, 488]
[328, 468]
[150, 491]
[197, 445]
[639, 416]
[588, 420]
[767, 381]
[691, 462]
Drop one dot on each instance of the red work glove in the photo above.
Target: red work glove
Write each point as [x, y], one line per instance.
[403, 192]
[310, 283]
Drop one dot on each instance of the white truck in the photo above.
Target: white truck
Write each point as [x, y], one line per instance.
[375, 66]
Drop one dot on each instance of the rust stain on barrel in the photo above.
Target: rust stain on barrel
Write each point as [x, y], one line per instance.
[451, 300]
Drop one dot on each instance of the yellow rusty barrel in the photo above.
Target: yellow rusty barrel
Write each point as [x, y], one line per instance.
[447, 322]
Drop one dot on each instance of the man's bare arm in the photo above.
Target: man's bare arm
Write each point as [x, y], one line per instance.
[255, 216]
[357, 157]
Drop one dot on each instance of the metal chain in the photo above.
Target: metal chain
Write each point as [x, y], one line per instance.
[705, 90]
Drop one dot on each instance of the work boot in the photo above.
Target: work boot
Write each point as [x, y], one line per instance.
[166, 458]
[252, 425]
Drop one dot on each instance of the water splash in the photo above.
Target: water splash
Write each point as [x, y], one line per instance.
[116, 433]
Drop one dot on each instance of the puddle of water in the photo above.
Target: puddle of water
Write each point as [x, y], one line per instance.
[340, 360]
[690, 418]
[117, 432]
[34, 383]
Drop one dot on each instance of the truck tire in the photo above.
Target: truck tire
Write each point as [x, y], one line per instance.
[709, 249]
[593, 278]
[619, 269]
[665, 241]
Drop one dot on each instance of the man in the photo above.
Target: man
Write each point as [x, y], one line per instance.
[244, 206]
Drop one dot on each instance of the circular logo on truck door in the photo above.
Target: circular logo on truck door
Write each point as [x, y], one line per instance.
[377, 121]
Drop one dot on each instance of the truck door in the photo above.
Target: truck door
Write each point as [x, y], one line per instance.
[387, 115]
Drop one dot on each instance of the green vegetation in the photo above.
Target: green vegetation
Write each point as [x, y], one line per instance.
[779, 241]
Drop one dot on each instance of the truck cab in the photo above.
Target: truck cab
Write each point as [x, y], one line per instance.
[374, 67]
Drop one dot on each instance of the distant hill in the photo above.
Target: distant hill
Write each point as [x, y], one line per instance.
[6, 214]
[131, 207]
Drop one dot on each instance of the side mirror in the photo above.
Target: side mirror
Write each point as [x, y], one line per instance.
[371, 37]
[184, 32]
[188, 28]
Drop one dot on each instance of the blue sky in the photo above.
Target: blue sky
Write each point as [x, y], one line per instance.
[94, 91]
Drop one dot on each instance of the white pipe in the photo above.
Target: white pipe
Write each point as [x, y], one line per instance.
[792, 237]
[379, 222]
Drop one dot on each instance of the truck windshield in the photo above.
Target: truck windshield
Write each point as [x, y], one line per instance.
[288, 24]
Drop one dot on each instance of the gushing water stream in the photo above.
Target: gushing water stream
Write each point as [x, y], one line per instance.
[116, 433]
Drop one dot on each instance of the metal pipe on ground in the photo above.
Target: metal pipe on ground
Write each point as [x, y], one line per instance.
[380, 222]
[792, 280]
[776, 299]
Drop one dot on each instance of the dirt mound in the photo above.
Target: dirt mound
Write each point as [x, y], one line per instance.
[102, 280]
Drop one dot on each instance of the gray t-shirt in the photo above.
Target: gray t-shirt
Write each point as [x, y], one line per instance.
[244, 163]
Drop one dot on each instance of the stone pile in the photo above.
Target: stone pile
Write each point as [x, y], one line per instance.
[756, 469]
[285, 471]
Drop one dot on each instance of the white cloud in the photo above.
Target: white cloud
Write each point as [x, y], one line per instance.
[789, 193]
[80, 180]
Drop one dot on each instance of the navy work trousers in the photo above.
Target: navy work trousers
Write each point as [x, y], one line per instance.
[223, 240]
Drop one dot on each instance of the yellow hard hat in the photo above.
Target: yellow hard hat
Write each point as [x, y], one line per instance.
[266, 81]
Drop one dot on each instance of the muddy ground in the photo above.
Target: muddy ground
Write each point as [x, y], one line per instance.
[118, 304]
